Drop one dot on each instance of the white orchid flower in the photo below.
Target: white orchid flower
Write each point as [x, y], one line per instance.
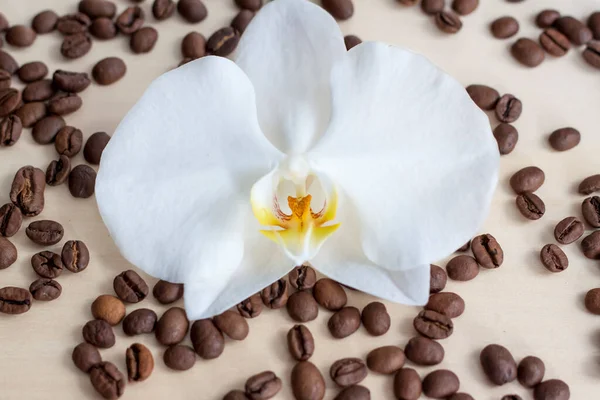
[369, 163]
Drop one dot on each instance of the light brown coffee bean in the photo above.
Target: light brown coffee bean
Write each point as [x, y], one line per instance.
[447, 303]
[108, 308]
[329, 294]
[407, 384]
[508, 109]
[232, 324]
[139, 361]
[386, 359]
[9, 101]
[462, 268]
[344, 322]
[46, 129]
[307, 381]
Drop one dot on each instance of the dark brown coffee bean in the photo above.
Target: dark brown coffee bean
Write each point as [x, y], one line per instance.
[354, 392]
[143, 40]
[38, 91]
[530, 206]
[528, 179]
[44, 22]
[590, 184]
[68, 141]
[407, 384]
[386, 359]
[437, 279]
[575, 30]
[9, 101]
[76, 45]
[92, 152]
[85, 356]
[47, 264]
[73, 82]
[251, 307]
[508, 108]
[99, 333]
[232, 324]
[32, 71]
[569, 230]
[546, 18]
[330, 294]
[263, 386]
[483, 96]
[592, 301]
[64, 103]
[11, 128]
[552, 389]
[163, 9]
[45, 232]
[591, 246]
[167, 292]
[432, 7]
[339, 9]
[564, 139]
[139, 321]
[302, 306]
[31, 113]
[554, 42]
[504, 27]
[307, 381]
[8, 63]
[71, 24]
[75, 256]
[172, 326]
[13, 300]
[448, 22]
[109, 70]
[27, 191]
[528, 53]
[82, 180]
[351, 41]
[193, 45]
[45, 289]
[462, 268]
[139, 361]
[344, 322]
[302, 277]
[98, 8]
[590, 209]
[348, 371]
[530, 371]
[103, 28]
[223, 42]
[487, 251]
[20, 36]
[192, 10]
[464, 7]
[593, 23]
[375, 318]
[8, 253]
[498, 364]
[253, 5]
[241, 21]
[179, 357]
[276, 295]
[447, 303]
[301, 343]
[10, 220]
[46, 129]
[108, 308]
[130, 20]
[433, 325]
[440, 384]
[207, 339]
[5, 79]
[553, 258]
[108, 381]
[130, 287]
[423, 351]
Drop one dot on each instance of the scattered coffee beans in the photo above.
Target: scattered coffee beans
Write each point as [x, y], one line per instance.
[179, 357]
[76, 45]
[193, 45]
[351, 41]
[64, 103]
[167, 292]
[139, 361]
[20, 36]
[552, 389]
[528, 179]
[354, 392]
[47, 264]
[433, 325]
[407, 384]
[71, 24]
[73, 82]
[207, 339]
[58, 171]
[264, 385]
[590, 209]
[591, 246]
[192, 10]
[448, 22]
[5, 79]
[139, 321]
[301, 343]
[302, 277]
[530, 206]
[223, 42]
[85, 356]
[460, 396]
[108, 308]
[590, 184]
[82, 180]
[11, 128]
[507, 136]
[236, 395]
[68, 141]
[45, 232]
[251, 307]
[130, 20]
[498, 364]
[339, 9]
[531, 371]
[508, 108]
[553, 258]
[99, 333]
[103, 28]
[440, 384]
[575, 30]
[465, 7]
[41, 90]
[447, 303]
[44, 22]
[13, 300]
[504, 27]
[143, 40]
[109, 70]
[27, 191]
[423, 351]
[253, 5]
[94, 147]
[276, 295]
[462, 268]
[386, 359]
[546, 18]
[172, 326]
[9, 101]
[487, 251]
[307, 381]
[30, 113]
[46, 129]
[348, 371]
[564, 139]
[10, 220]
[432, 7]
[163, 9]
[32, 71]
[344, 322]
[375, 318]
[568, 230]
[8, 253]
[98, 8]
[130, 287]
[554, 42]
[107, 380]
[242, 20]
[232, 324]
[437, 279]
[330, 294]
[592, 54]
[75, 256]
[302, 306]
[8, 63]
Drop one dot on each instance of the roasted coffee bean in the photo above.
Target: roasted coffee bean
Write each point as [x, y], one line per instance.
[99, 333]
[447, 303]
[460, 396]
[68, 141]
[554, 42]
[302, 306]
[11, 128]
[591, 246]
[8, 63]
[85, 356]
[20, 36]
[172, 326]
[590, 209]
[13, 300]
[546, 18]
[167, 292]
[76, 45]
[3, 23]
[484, 96]
[47, 264]
[386, 359]
[179, 357]
[437, 279]
[82, 180]
[351, 41]
[193, 45]
[130, 20]
[32, 71]
[407, 2]
[592, 54]
[9, 101]
[528, 179]
[108, 381]
[440, 384]
[448, 22]
[498, 364]
[44, 22]
[593, 23]
[375, 318]
[302, 277]
[75, 256]
[354, 392]
[38, 91]
[10, 220]
[530, 371]
[45, 289]
[223, 42]
[301, 343]
[192, 10]
[143, 40]
[530, 206]
[575, 30]
[139, 361]
[433, 325]
[241, 21]
[423, 351]
[139, 321]
[276, 295]
[30, 113]
[592, 301]
[339, 9]
[45, 130]
[8, 253]
[432, 7]
[528, 53]
[163, 9]
[71, 24]
[552, 389]
[263, 386]
[73, 82]
[92, 152]
[27, 191]
[348, 371]
[330, 294]
[64, 103]
[564, 139]
[109, 70]
[462, 268]
[344, 322]
[5, 79]
[464, 7]
[97, 8]
[504, 27]
[45, 232]
[103, 28]
[508, 108]
[487, 251]
[232, 324]
[253, 5]
[130, 287]
[251, 307]
[569, 230]
[307, 381]
[108, 308]
[590, 184]
[553, 258]
[207, 339]
[407, 384]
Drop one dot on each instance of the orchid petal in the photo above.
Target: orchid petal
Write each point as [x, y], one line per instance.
[412, 152]
[288, 51]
